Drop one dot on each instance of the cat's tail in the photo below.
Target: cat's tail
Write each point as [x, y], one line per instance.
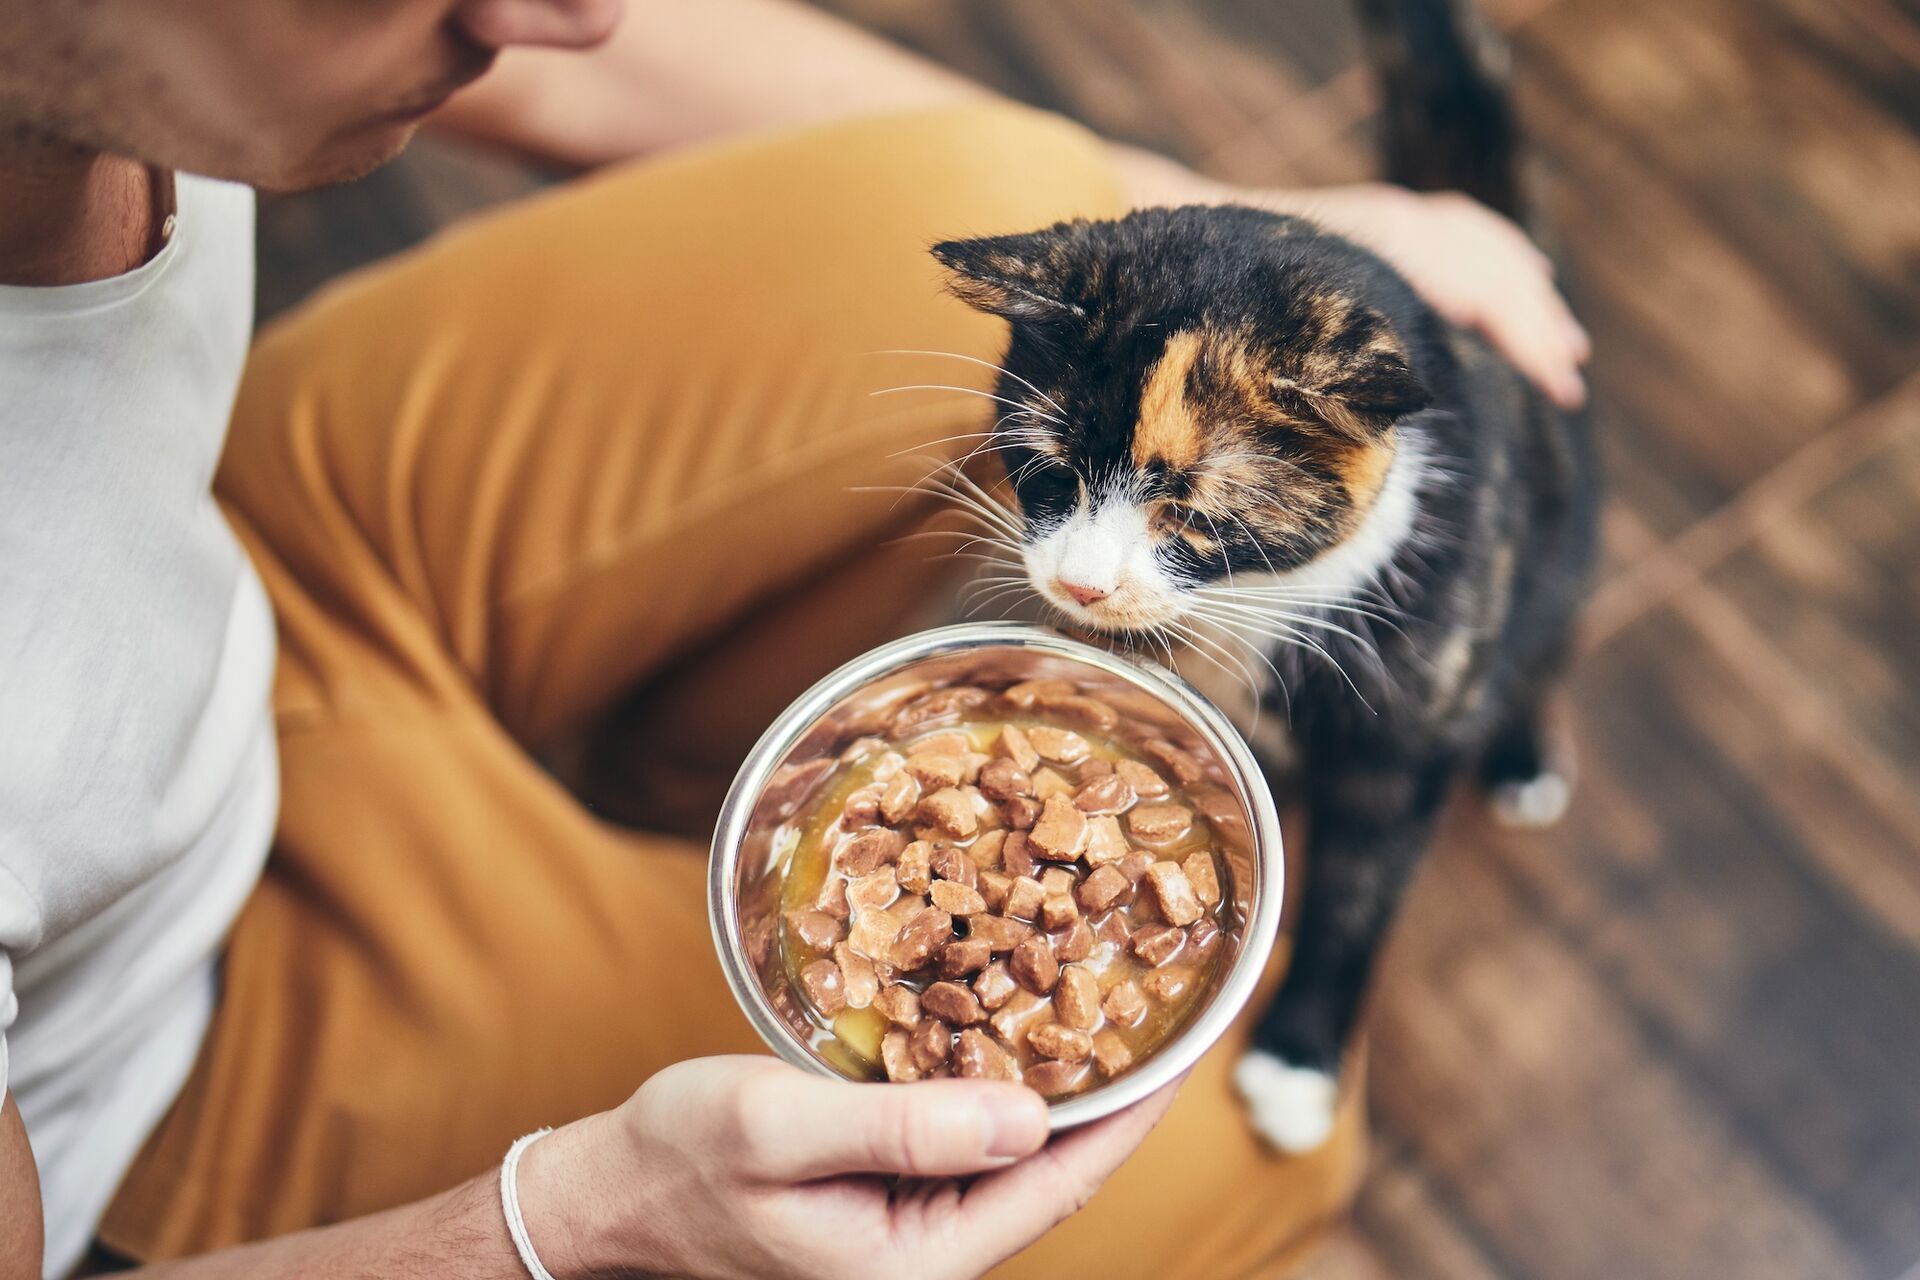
[1449, 123]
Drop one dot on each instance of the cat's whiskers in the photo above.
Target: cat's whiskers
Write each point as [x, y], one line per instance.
[985, 364]
[969, 391]
[1278, 631]
[1206, 647]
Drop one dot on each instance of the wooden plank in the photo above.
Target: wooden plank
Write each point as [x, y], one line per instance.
[1551, 1110]
[1808, 179]
[1837, 589]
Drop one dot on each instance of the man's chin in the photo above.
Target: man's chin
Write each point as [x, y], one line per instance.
[343, 158]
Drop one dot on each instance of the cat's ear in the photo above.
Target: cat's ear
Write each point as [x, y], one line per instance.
[1021, 277]
[1359, 392]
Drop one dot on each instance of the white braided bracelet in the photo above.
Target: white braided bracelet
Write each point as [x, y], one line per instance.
[510, 1205]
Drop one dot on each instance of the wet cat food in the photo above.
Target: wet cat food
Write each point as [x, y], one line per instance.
[1002, 887]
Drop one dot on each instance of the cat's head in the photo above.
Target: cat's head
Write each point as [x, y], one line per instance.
[1205, 393]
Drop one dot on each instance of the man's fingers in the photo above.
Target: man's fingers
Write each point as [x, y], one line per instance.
[794, 1127]
[1006, 1211]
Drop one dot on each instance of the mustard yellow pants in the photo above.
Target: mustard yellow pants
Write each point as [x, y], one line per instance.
[614, 439]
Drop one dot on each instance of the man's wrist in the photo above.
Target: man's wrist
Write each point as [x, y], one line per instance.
[576, 1190]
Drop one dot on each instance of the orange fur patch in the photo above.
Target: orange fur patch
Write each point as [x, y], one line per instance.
[1363, 469]
[1169, 428]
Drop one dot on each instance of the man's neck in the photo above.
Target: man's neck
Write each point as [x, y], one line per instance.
[72, 214]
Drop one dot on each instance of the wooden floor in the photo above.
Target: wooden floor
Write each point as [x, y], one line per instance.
[1680, 1036]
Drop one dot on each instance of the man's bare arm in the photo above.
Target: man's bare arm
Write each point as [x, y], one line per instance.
[682, 71]
[459, 1233]
[21, 1240]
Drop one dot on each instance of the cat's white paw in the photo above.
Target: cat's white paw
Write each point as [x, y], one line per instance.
[1538, 802]
[1291, 1107]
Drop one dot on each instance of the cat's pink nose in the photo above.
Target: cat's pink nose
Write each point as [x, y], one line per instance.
[1084, 595]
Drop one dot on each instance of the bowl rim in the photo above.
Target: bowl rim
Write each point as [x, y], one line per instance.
[1260, 931]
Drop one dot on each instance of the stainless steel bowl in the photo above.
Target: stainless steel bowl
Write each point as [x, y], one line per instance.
[803, 745]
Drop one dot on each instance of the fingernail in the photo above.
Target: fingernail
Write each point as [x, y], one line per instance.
[1015, 1126]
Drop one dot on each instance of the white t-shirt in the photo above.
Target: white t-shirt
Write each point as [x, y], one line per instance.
[138, 777]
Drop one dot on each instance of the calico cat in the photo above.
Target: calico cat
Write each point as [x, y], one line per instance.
[1243, 435]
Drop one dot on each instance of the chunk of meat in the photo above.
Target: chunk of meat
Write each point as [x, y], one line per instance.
[896, 1055]
[1076, 943]
[900, 798]
[988, 850]
[1174, 894]
[914, 869]
[1057, 912]
[1157, 943]
[934, 771]
[993, 888]
[1091, 712]
[995, 985]
[1003, 780]
[919, 937]
[1047, 784]
[1203, 876]
[861, 976]
[862, 808]
[1125, 1004]
[863, 854]
[825, 987]
[953, 1004]
[1105, 843]
[950, 810]
[1001, 933]
[832, 897]
[979, 1058]
[1024, 898]
[1158, 823]
[1027, 694]
[1142, 778]
[963, 956]
[1113, 927]
[816, 929]
[1014, 745]
[1016, 855]
[950, 863]
[931, 1042]
[1168, 985]
[873, 933]
[1062, 746]
[1103, 795]
[1184, 766]
[1010, 1018]
[1110, 1054]
[957, 899]
[900, 1004]
[1076, 1000]
[940, 707]
[950, 743]
[1104, 887]
[1051, 1040]
[1058, 835]
[1051, 1079]
[874, 892]
[1022, 812]
[1034, 966]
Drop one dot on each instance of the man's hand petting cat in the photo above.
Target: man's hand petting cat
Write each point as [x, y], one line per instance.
[748, 1167]
[1476, 267]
